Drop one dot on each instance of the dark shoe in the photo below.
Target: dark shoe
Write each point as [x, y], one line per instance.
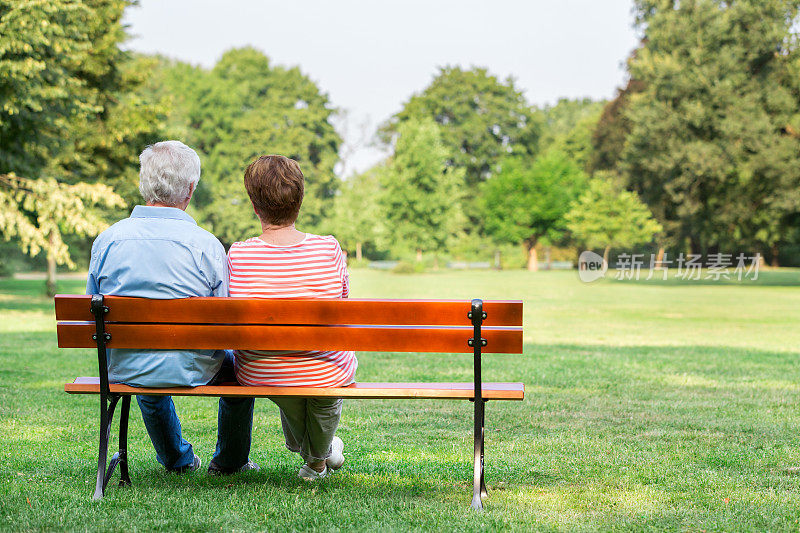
[215, 470]
[186, 469]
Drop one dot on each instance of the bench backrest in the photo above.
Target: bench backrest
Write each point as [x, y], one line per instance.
[291, 324]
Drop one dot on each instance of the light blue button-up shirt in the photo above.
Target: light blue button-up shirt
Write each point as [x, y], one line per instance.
[159, 253]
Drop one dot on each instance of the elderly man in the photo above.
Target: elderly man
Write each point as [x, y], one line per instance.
[160, 252]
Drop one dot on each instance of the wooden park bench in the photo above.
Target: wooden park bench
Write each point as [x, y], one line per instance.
[449, 326]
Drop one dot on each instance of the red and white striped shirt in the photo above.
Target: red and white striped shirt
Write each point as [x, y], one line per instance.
[313, 268]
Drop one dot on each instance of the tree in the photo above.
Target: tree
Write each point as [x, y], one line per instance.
[568, 127]
[36, 212]
[69, 108]
[577, 142]
[710, 148]
[245, 107]
[357, 219]
[43, 45]
[59, 74]
[612, 128]
[104, 147]
[560, 119]
[481, 119]
[606, 216]
[526, 202]
[421, 194]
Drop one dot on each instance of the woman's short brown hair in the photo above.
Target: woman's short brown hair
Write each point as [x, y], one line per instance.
[275, 186]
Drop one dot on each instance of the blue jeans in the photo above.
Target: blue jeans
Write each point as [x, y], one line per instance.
[234, 427]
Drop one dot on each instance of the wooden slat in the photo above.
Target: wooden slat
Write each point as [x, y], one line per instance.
[450, 339]
[289, 311]
[454, 391]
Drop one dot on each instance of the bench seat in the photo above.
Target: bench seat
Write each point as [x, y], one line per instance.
[444, 391]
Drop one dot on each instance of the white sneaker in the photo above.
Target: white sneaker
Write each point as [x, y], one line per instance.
[309, 474]
[336, 459]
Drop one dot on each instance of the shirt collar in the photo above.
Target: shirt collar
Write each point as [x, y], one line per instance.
[149, 211]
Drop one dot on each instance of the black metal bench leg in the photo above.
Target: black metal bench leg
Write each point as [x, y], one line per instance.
[121, 457]
[476, 315]
[477, 473]
[106, 416]
[124, 477]
[484, 492]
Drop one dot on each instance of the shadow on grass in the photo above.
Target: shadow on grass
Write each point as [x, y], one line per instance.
[401, 486]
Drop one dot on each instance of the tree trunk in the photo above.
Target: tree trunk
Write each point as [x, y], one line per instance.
[436, 262]
[358, 251]
[774, 251]
[660, 257]
[605, 254]
[50, 284]
[694, 245]
[419, 255]
[533, 261]
[498, 265]
[547, 260]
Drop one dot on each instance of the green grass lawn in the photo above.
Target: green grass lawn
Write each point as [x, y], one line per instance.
[649, 405]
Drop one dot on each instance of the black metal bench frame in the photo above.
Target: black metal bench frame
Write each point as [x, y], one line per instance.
[109, 400]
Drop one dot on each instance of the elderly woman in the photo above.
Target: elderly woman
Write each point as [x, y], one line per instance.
[283, 262]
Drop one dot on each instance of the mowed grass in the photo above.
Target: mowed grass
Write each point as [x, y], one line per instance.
[649, 405]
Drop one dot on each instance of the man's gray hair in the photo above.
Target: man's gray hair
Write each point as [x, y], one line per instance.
[167, 172]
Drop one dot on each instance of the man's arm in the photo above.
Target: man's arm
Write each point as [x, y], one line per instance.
[221, 274]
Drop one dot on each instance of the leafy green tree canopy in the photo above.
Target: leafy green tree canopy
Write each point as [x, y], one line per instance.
[44, 59]
[568, 126]
[245, 107]
[63, 81]
[710, 148]
[606, 216]
[36, 212]
[421, 198]
[357, 217]
[526, 202]
[577, 142]
[611, 130]
[481, 119]
[104, 147]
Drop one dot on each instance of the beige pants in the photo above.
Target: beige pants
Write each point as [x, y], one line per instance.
[309, 425]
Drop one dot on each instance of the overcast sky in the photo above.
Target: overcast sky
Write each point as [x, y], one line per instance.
[370, 56]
